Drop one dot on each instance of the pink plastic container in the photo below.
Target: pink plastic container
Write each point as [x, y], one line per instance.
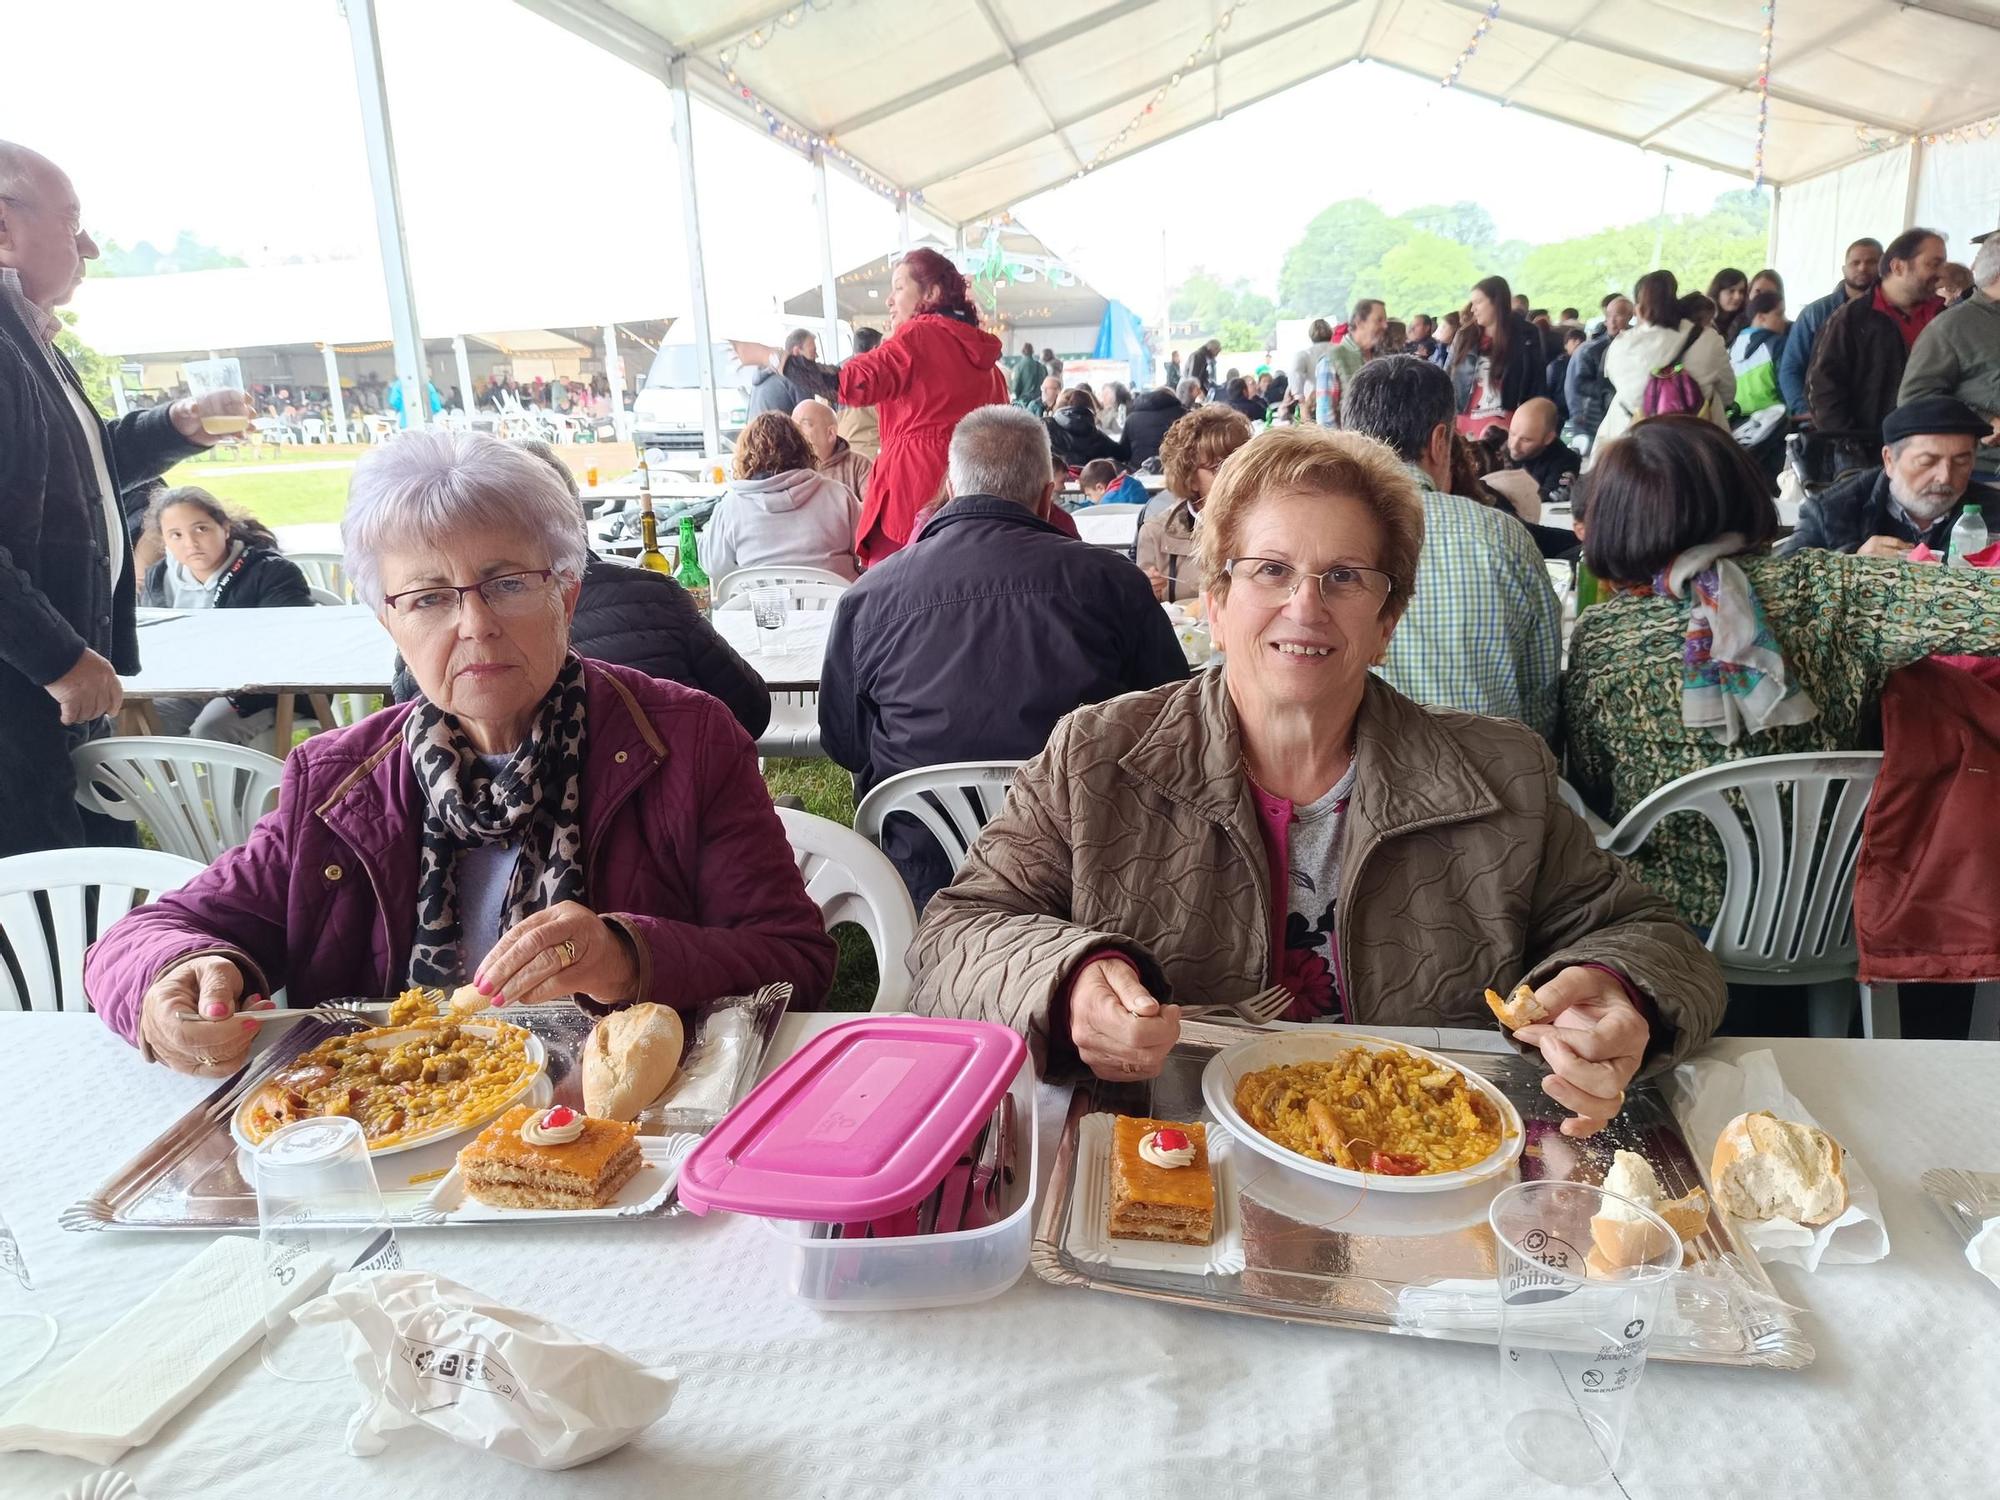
[863, 1122]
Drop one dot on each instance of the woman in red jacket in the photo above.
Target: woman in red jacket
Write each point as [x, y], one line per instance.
[936, 365]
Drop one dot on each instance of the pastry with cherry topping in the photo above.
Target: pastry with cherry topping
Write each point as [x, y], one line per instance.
[1161, 1188]
[549, 1158]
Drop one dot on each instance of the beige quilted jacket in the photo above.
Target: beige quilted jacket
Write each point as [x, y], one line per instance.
[1461, 868]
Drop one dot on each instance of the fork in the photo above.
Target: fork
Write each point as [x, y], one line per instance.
[1259, 1009]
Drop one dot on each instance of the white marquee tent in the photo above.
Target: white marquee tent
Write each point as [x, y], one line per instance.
[1880, 112]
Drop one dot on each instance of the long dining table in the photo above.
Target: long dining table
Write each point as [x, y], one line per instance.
[1043, 1390]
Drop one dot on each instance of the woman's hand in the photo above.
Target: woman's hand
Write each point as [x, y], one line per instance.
[188, 1019]
[1119, 1030]
[567, 949]
[754, 356]
[1593, 1042]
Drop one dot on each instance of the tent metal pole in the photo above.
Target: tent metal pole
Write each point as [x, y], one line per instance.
[373, 88]
[903, 219]
[1910, 187]
[614, 372]
[704, 347]
[1771, 237]
[466, 399]
[829, 293]
[332, 362]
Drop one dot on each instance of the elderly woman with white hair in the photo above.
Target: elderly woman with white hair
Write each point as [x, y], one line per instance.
[534, 823]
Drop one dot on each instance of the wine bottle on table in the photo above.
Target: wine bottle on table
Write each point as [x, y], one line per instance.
[690, 575]
[650, 555]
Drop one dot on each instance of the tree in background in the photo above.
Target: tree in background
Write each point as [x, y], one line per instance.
[93, 368]
[1205, 301]
[1467, 223]
[1427, 273]
[144, 259]
[1321, 274]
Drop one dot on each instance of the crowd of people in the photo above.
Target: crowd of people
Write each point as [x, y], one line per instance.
[1382, 748]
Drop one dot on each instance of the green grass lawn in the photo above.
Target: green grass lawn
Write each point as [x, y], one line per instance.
[276, 499]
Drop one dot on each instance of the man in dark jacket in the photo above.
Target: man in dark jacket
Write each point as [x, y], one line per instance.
[1860, 270]
[1147, 423]
[1586, 391]
[1858, 361]
[973, 641]
[1075, 435]
[1026, 382]
[67, 627]
[1917, 495]
[1533, 448]
[772, 391]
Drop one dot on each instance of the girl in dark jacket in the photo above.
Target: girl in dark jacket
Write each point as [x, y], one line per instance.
[217, 560]
[1497, 360]
[1075, 436]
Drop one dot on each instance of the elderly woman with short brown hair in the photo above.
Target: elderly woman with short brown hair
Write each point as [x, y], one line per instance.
[1291, 819]
[779, 509]
[1191, 454]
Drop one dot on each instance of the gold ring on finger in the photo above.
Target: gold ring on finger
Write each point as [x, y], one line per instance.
[567, 948]
[206, 1061]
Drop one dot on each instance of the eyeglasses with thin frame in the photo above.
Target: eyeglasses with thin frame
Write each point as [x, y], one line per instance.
[510, 594]
[1273, 581]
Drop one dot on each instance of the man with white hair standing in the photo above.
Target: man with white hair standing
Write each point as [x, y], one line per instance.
[67, 627]
[1959, 355]
[837, 461]
[971, 642]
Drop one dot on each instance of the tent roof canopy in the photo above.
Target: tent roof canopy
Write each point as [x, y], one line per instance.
[978, 104]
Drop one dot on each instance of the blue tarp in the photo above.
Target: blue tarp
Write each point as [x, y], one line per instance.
[1122, 336]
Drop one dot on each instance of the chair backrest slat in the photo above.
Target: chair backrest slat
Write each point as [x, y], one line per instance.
[953, 801]
[198, 797]
[850, 880]
[48, 945]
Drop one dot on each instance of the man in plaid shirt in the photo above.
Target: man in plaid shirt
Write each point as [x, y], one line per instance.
[1484, 631]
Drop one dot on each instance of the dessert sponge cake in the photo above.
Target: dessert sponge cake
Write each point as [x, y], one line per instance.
[508, 1169]
[1161, 1187]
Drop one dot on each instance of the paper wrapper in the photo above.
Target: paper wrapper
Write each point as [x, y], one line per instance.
[1984, 1251]
[429, 1352]
[1711, 1093]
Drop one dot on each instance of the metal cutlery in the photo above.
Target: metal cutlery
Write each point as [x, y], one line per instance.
[1259, 1009]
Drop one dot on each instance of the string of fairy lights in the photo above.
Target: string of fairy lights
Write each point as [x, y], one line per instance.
[1763, 92]
[1201, 49]
[1466, 53]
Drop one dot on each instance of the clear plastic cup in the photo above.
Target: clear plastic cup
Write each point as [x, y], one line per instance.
[319, 1211]
[206, 375]
[768, 609]
[1573, 1338]
[27, 1333]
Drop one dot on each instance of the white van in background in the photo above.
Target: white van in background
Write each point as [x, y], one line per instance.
[666, 410]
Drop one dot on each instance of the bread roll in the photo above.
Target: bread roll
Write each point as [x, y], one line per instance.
[1768, 1168]
[1621, 1237]
[629, 1059]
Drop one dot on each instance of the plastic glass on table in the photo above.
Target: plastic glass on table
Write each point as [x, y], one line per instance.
[205, 375]
[768, 609]
[319, 1210]
[1573, 1339]
[26, 1332]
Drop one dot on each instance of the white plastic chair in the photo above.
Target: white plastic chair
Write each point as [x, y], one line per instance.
[953, 801]
[198, 797]
[47, 919]
[1573, 800]
[325, 596]
[793, 733]
[326, 571]
[808, 590]
[313, 429]
[850, 880]
[1787, 912]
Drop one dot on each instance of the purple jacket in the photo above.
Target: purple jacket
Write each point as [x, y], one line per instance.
[682, 849]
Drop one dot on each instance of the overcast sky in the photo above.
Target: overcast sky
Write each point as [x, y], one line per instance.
[515, 139]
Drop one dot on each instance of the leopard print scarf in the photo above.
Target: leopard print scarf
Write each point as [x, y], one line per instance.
[535, 796]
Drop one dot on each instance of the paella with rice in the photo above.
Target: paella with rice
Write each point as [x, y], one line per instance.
[1385, 1111]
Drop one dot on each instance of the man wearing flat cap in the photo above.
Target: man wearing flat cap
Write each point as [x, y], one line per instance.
[1924, 482]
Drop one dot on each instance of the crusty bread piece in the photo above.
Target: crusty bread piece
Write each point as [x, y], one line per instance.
[1519, 1009]
[1620, 1237]
[1768, 1168]
[630, 1058]
[466, 1000]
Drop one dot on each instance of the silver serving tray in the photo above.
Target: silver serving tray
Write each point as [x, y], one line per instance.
[195, 1176]
[1966, 1199]
[1303, 1267]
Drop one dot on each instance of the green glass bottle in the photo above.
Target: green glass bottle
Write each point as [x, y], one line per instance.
[689, 574]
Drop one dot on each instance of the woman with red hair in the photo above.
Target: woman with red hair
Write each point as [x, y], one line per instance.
[936, 365]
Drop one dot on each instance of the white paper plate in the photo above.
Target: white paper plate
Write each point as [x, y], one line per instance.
[450, 1203]
[1088, 1238]
[537, 1054]
[1323, 1044]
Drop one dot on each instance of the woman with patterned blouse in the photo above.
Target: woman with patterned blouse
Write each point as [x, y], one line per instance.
[1712, 650]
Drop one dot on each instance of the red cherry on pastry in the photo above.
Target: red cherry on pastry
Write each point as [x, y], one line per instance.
[1171, 1140]
[558, 1117]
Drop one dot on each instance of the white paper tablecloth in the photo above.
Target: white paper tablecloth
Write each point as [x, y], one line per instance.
[1049, 1391]
[788, 659]
[321, 648]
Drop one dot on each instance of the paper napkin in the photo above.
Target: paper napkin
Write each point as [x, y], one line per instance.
[124, 1384]
[1712, 1093]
